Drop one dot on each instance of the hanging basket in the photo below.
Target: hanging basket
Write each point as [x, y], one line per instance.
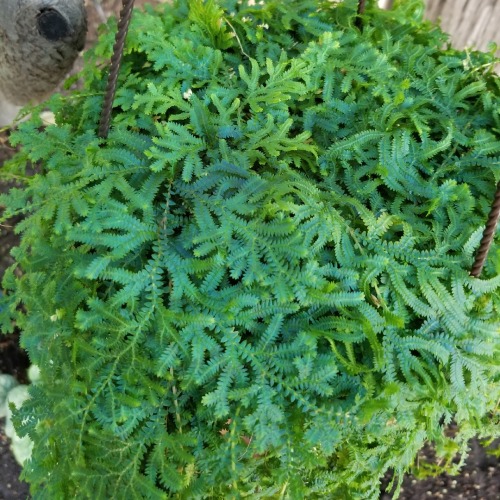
[256, 282]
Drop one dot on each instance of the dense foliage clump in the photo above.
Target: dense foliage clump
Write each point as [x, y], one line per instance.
[259, 284]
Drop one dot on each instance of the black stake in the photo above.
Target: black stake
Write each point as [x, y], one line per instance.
[116, 60]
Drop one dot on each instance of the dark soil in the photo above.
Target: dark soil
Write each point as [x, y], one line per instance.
[11, 488]
[479, 479]
[13, 360]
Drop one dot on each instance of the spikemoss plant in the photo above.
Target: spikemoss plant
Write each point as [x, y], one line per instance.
[259, 284]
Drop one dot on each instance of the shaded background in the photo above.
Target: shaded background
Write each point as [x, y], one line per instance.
[471, 22]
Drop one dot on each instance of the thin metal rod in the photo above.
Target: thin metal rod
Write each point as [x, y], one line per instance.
[488, 235]
[361, 10]
[116, 59]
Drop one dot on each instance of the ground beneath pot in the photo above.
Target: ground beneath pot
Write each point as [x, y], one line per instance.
[11, 487]
[479, 479]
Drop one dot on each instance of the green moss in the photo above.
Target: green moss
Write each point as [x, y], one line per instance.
[259, 284]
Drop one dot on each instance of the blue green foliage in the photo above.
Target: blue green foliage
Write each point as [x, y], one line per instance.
[259, 284]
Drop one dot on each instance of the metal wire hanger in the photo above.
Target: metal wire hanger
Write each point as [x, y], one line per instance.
[116, 60]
